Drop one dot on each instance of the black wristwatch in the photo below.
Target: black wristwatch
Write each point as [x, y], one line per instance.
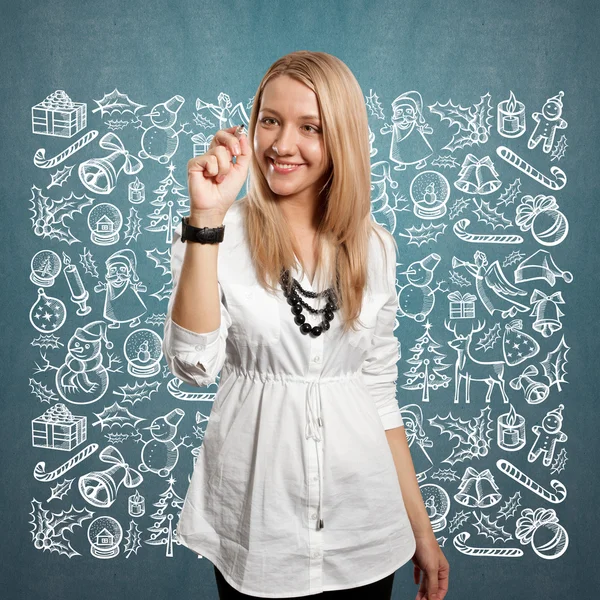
[203, 235]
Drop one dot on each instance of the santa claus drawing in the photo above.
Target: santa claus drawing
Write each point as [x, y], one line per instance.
[122, 303]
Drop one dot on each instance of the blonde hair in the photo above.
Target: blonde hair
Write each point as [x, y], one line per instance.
[345, 223]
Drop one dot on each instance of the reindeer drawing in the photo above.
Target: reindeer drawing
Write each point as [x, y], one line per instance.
[472, 369]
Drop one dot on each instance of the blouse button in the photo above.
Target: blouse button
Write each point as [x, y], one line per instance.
[317, 358]
[313, 516]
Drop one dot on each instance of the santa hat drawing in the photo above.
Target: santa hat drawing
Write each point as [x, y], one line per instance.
[93, 332]
[413, 98]
[541, 265]
[127, 257]
[556, 100]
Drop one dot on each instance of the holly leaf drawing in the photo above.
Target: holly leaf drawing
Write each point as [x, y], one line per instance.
[157, 320]
[41, 392]
[60, 176]
[50, 529]
[137, 392]
[116, 415]
[489, 339]
[162, 260]
[554, 364]
[455, 114]
[132, 539]
[47, 340]
[61, 489]
[459, 519]
[509, 195]
[116, 102]
[483, 115]
[513, 258]
[490, 216]
[165, 291]
[445, 475]
[133, 226]
[485, 526]
[424, 234]
[87, 261]
[473, 122]
[483, 427]
[49, 215]
[116, 124]
[460, 204]
[458, 279]
[374, 105]
[510, 506]
[559, 148]
[474, 435]
[117, 438]
[447, 162]
[455, 427]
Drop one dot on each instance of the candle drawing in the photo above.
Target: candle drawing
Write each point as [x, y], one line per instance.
[79, 294]
[511, 117]
[136, 191]
[511, 430]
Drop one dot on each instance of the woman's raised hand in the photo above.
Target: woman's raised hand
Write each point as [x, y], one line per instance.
[214, 181]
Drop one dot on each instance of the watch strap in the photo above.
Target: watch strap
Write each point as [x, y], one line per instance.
[202, 235]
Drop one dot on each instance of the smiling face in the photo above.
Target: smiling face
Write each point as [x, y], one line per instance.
[289, 130]
[117, 274]
[404, 115]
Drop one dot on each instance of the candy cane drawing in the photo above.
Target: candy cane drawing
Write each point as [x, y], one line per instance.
[460, 230]
[39, 159]
[514, 473]
[39, 470]
[516, 161]
[174, 385]
[463, 536]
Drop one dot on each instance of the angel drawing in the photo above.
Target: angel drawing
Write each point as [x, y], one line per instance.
[494, 290]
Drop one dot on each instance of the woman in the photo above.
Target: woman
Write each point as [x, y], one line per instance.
[304, 484]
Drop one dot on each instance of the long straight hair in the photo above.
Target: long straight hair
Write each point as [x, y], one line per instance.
[345, 223]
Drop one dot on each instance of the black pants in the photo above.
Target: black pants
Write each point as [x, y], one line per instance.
[378, 590]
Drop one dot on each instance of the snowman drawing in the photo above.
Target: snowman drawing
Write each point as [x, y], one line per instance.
[82, 378]
[416, 300]
[161, 454]
[160, 140]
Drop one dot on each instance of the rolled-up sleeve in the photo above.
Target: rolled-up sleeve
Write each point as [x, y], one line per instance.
[196, 358]
[380, 367]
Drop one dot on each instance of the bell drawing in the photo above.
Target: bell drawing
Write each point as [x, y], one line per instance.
[477, 176]
[100, 488]
[478, 490]
[99, 175]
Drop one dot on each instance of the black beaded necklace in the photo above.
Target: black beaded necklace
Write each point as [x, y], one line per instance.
[297, 304]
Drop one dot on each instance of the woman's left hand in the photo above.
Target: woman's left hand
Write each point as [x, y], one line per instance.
[431, 569]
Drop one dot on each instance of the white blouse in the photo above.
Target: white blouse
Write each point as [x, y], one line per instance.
[294, 491]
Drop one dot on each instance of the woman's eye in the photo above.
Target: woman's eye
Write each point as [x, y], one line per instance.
[271, 119]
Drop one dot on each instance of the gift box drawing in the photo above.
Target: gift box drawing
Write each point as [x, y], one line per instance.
[462, 306]
[58, 429]
[58, 115]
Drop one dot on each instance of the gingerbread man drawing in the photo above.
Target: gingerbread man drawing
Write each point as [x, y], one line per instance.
[548, 121]
[547, 436]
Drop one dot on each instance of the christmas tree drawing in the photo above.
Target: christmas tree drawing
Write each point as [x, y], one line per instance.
[171, 205]
[163, 531]
[427, 361]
